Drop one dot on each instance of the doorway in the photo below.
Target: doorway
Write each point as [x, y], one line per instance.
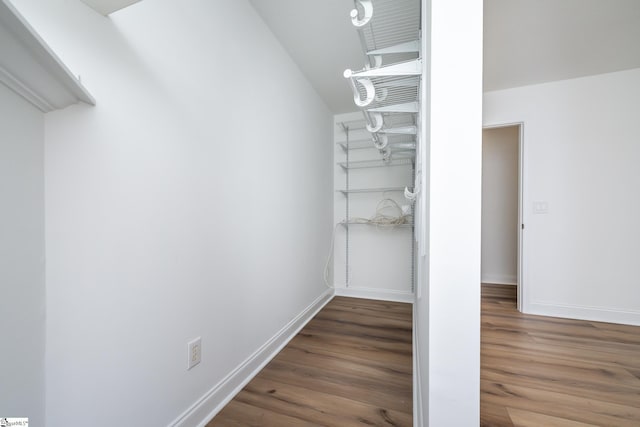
[502, 225]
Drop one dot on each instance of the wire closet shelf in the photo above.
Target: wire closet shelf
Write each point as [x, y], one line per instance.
[387, 89]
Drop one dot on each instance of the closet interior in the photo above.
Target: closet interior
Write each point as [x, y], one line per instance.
[377, 155]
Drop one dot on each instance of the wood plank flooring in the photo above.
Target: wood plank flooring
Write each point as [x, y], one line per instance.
[544, 371]
[350, 366]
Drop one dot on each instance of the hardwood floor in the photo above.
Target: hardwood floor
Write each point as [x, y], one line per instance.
[350, 366]
[543, 371]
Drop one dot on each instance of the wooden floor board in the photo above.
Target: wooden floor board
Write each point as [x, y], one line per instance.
[241, 414]
[349, 366]
[545, 371]
[352, 366]
[367, 347]
[393, 364]
[533, 419]
[338, 383]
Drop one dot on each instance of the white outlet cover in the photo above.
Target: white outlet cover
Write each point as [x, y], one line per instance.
[194, 354]
[540, 207]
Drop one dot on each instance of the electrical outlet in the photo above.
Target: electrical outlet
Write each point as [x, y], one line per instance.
[195, 352]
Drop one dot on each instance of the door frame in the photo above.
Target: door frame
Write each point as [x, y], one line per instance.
[520, 276]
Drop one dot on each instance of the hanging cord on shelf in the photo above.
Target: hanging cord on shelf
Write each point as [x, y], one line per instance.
[380, 219]
[383, 219]
[325, 274]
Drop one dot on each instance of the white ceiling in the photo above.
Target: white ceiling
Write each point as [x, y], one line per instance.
[526, 41]
[535, 41]
[106, 7]
[320, 38]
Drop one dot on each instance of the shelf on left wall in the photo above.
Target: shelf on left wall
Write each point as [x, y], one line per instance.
[30, 68]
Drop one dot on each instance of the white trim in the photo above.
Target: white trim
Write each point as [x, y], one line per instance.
[202, 411]
[377, 294]
[499, 279]
[520, 282]
[13, 83]
[594, 314]
[501, 125]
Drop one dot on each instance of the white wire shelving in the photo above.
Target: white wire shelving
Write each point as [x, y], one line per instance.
[400, 130]
[382, 226]
[376, 163]
[386, 23]
[370, 190]
[361, 144]
[387, 91]
[394, 142]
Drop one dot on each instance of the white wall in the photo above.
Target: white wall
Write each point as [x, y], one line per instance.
[581, 159]
[22, 289]
[195, 199]
[447, 312]
[500, 204]
[380, 258]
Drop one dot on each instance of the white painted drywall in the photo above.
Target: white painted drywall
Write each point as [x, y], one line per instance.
[500, 204]
[195, 199]
[380, 258]
[581, 159]
[22, 288]
[448, 310]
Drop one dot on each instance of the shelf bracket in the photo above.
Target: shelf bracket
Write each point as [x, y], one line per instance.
[382, 142]
[409, 195]
[370, 90]
[377, 123]
[367, 9]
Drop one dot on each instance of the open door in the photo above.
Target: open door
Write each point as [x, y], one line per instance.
[502, 224]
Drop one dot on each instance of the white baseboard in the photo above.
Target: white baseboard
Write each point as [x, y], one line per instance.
[594, 314]
[377, 294]
[499, 279]
[201, 412]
